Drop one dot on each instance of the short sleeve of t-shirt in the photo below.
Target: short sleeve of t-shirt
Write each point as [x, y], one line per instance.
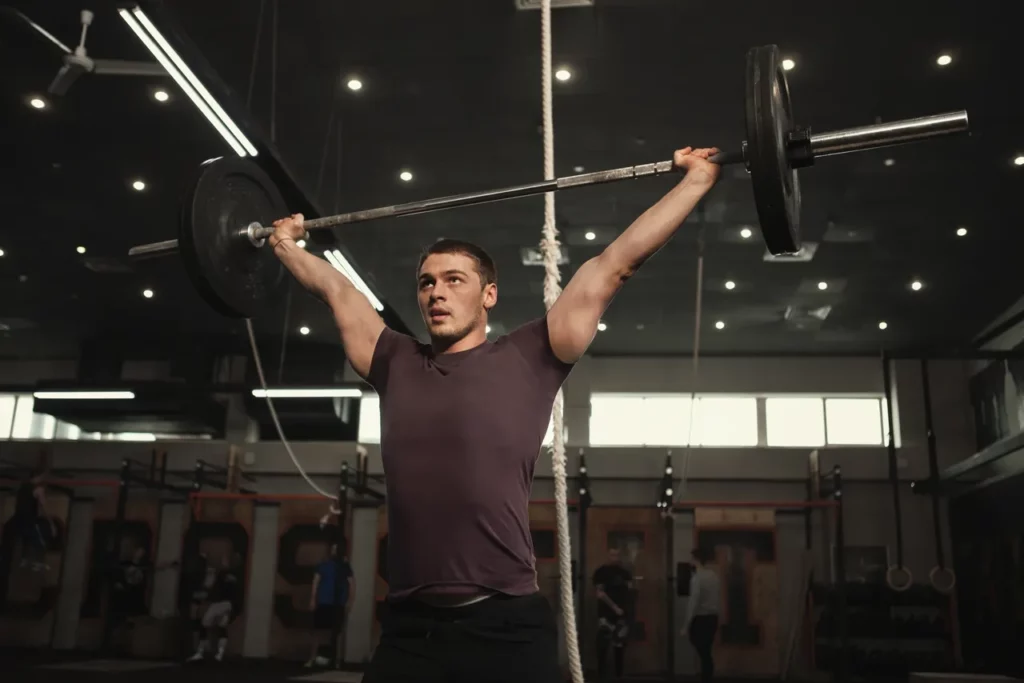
[534, 344]
[390, 346]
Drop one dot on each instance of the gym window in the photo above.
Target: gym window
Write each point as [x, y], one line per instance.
[672, 420]
[856, 421]
[792, 422]
[369, 420]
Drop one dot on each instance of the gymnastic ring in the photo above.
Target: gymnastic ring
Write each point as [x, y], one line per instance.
[943, 579]
[891, 578]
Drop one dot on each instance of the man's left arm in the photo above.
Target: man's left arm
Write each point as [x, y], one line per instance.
[572, 321]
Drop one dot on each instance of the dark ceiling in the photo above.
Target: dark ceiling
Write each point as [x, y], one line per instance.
[452, 94]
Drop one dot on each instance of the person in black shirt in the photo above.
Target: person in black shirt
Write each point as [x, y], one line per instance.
[128, 597]
[35, 526]
[613, 584]
[224, 600]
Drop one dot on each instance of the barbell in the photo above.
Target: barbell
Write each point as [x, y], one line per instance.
[225, 217]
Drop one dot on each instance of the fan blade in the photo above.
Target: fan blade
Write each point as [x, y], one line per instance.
[23, 19]
[67, 75]
[119, 67]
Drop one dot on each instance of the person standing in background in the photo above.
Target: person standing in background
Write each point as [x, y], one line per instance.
[36, 526]
[613, 583]
[702, 611]
[223, 604]
[325, 598]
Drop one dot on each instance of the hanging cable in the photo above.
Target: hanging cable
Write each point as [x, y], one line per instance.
[255, 56]
[273, 73]
[277, 422]
[552, 289]
[284, 332]
[695, 366]
[248, 323]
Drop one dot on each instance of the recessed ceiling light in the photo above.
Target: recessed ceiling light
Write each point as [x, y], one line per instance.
[640, 326]
[601, 327]
[37, 103]
[745, 233]
[577, 169]
[823, 285]
[890, 162]
[944, 60]
[1, 252]
[148, 293]
[916, 285]
[488, 330]
[563, 74]
[303, 330]
[591, 236]
[405, 176]
[882, 325]
[720, 325]
[354, 84]
[961, 231]
[788, 64]
[138, 186]
[161, 95]
[729, 284]
[80, 250]
[1019, 160]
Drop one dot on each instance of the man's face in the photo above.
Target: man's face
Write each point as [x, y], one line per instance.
[453, 300]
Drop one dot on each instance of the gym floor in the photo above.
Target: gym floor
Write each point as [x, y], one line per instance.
[70, 667]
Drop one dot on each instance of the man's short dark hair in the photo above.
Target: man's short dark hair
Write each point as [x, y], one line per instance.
[484, 263]
[701, 554]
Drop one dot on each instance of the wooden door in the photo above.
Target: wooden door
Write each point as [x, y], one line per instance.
[743, 544]
[639, 533]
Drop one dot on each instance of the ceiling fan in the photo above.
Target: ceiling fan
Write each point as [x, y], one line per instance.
[77, 62]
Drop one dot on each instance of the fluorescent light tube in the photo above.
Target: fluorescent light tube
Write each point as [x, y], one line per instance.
[186, 80]
[84, 395]
[335, 258]
[325, 392]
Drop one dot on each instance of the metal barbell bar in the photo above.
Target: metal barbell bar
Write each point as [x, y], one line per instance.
[859, 139]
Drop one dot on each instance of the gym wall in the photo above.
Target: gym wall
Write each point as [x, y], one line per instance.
[620, 476]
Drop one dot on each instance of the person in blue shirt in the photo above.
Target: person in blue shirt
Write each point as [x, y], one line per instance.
[324, 603]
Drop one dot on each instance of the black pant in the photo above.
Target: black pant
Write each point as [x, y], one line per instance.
[610, 636]
[502, 639]
[702, 635]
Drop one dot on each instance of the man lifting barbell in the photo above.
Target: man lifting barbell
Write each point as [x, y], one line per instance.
[462, 423]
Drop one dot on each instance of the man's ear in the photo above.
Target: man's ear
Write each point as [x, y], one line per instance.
[490, 296]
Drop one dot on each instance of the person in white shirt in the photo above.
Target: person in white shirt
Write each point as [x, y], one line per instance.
[702, 611]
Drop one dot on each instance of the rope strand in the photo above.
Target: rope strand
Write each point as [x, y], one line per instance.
[552, 289]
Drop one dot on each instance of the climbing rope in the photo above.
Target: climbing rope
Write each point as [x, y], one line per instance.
[552, 289]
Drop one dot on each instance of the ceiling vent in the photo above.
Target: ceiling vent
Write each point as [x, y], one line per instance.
[800, 318]
[555, 4]
[532, 256]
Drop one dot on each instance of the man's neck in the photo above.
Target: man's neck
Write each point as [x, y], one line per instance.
[470, 341]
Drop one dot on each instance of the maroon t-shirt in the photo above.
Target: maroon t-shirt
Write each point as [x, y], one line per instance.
[460, 433]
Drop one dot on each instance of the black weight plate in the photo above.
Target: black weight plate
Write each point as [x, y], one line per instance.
[769, 123]
[237, 279]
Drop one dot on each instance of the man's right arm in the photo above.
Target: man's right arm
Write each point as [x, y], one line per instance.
[358, 322]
